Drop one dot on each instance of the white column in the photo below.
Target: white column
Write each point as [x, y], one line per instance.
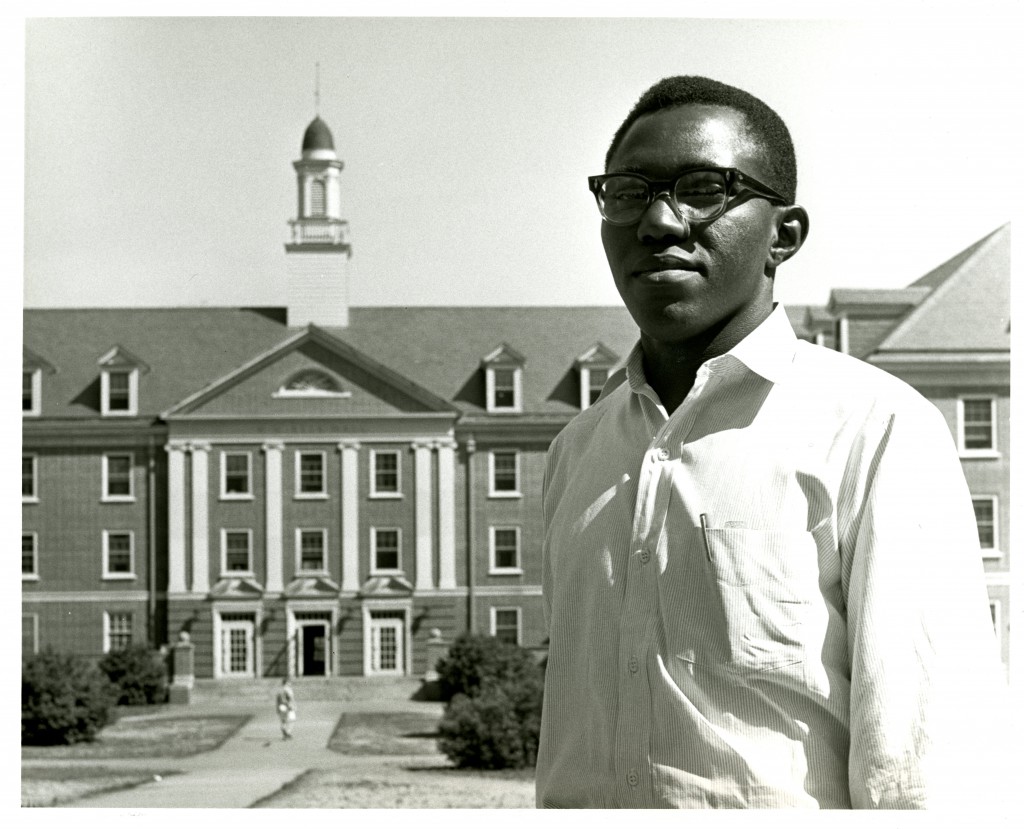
[200, 517]
[446, 513]
[274, 513]
[424, 512]
[349, 514]
[175, 518]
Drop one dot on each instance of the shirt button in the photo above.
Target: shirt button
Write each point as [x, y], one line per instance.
[632, 778]
[645, 555]
[634, 664]
[662, 454]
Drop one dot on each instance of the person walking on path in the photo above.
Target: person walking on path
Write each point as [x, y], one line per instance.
[286, 708]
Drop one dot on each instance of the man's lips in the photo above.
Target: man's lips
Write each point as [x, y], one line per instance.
[665, 269]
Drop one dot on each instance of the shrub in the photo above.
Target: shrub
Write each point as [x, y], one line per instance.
[64, 699]
[474, 660]
[492, 719]
[139, 674]
[498, 728]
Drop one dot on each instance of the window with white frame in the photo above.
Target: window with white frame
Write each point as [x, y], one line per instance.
[29, 556]
[506, 624]
[117, 476]
[118, 554]
[505, 550]
[236, 551]
[310, 474]
[504, 473]
[986, 514]
[387, 549]
[117, 630]
[977, 424]
[592, 380]
[311, 550]
[503, 389]
[236, 475]
[385, 473]
[119, 388]
[31, 391]
[29, 478]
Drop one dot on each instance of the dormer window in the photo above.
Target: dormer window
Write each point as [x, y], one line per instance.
[504, 380]
[594, 366]
[311, 383]
[119, 383]
[32, 368]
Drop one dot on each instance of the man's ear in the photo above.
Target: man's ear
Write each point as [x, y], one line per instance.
[792, 231]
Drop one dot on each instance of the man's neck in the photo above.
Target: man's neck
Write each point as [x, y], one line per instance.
[671, 367]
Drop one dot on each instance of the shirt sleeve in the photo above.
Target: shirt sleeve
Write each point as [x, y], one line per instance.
[927, 688]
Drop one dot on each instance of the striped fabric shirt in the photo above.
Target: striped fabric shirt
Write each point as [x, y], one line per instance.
[773, 597]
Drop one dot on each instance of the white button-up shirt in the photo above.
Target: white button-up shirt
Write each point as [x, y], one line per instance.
[773, 597]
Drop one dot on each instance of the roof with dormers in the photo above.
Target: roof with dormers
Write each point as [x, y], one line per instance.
[436, 351]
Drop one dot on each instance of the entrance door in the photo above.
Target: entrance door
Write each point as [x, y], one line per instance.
[237, 647]
[387, 654]
[314, 650]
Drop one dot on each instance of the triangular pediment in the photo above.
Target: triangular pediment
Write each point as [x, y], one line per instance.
[504, 355]
[598, 355]
[315, 587]
[121, 357]
[237, 588]
[311, 374]
[380, 587]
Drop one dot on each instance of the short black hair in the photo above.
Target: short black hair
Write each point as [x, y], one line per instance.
[763, 123]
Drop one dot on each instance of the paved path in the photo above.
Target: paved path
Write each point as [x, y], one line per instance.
[255, 762]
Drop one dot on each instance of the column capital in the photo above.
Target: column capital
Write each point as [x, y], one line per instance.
[347, 444]
[423, 443]
[446, 443]
[273, 446]
[199, 446]
[176, 446]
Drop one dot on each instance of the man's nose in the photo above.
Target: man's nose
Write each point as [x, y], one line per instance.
[661, 220]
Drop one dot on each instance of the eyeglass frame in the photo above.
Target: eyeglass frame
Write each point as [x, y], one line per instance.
[733, 177]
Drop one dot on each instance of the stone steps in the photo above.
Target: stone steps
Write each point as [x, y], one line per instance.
[342, 688]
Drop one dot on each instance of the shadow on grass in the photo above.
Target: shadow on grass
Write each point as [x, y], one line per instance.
[378, 734]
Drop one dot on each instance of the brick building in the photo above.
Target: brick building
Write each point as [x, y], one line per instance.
[315, 488]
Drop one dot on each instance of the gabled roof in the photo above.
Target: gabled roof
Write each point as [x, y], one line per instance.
[311, 334]
[504, 354]
[968, 306]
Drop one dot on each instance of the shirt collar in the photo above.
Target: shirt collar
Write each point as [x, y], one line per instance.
[767, 351]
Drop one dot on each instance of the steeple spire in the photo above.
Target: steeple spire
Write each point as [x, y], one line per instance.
[316, 92]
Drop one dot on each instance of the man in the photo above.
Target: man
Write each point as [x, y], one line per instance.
[761, 567]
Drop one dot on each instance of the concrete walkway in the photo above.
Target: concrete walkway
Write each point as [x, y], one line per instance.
[256, 761]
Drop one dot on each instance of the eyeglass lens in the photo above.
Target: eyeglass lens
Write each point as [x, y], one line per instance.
[699, 195]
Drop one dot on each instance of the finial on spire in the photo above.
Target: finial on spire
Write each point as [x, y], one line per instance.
[317, 89]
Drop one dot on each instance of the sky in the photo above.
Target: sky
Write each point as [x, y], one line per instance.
[158, 151]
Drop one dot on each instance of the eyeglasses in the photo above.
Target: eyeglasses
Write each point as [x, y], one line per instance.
[698, 195]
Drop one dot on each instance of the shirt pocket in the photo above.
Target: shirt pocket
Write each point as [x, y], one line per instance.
[756, 587]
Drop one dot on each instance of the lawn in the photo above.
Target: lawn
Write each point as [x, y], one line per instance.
[146, 736]
[403, 770]
[55, 785]
[373, 734]
[398, 786]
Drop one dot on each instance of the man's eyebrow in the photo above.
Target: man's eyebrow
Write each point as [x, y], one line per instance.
[643, 170]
